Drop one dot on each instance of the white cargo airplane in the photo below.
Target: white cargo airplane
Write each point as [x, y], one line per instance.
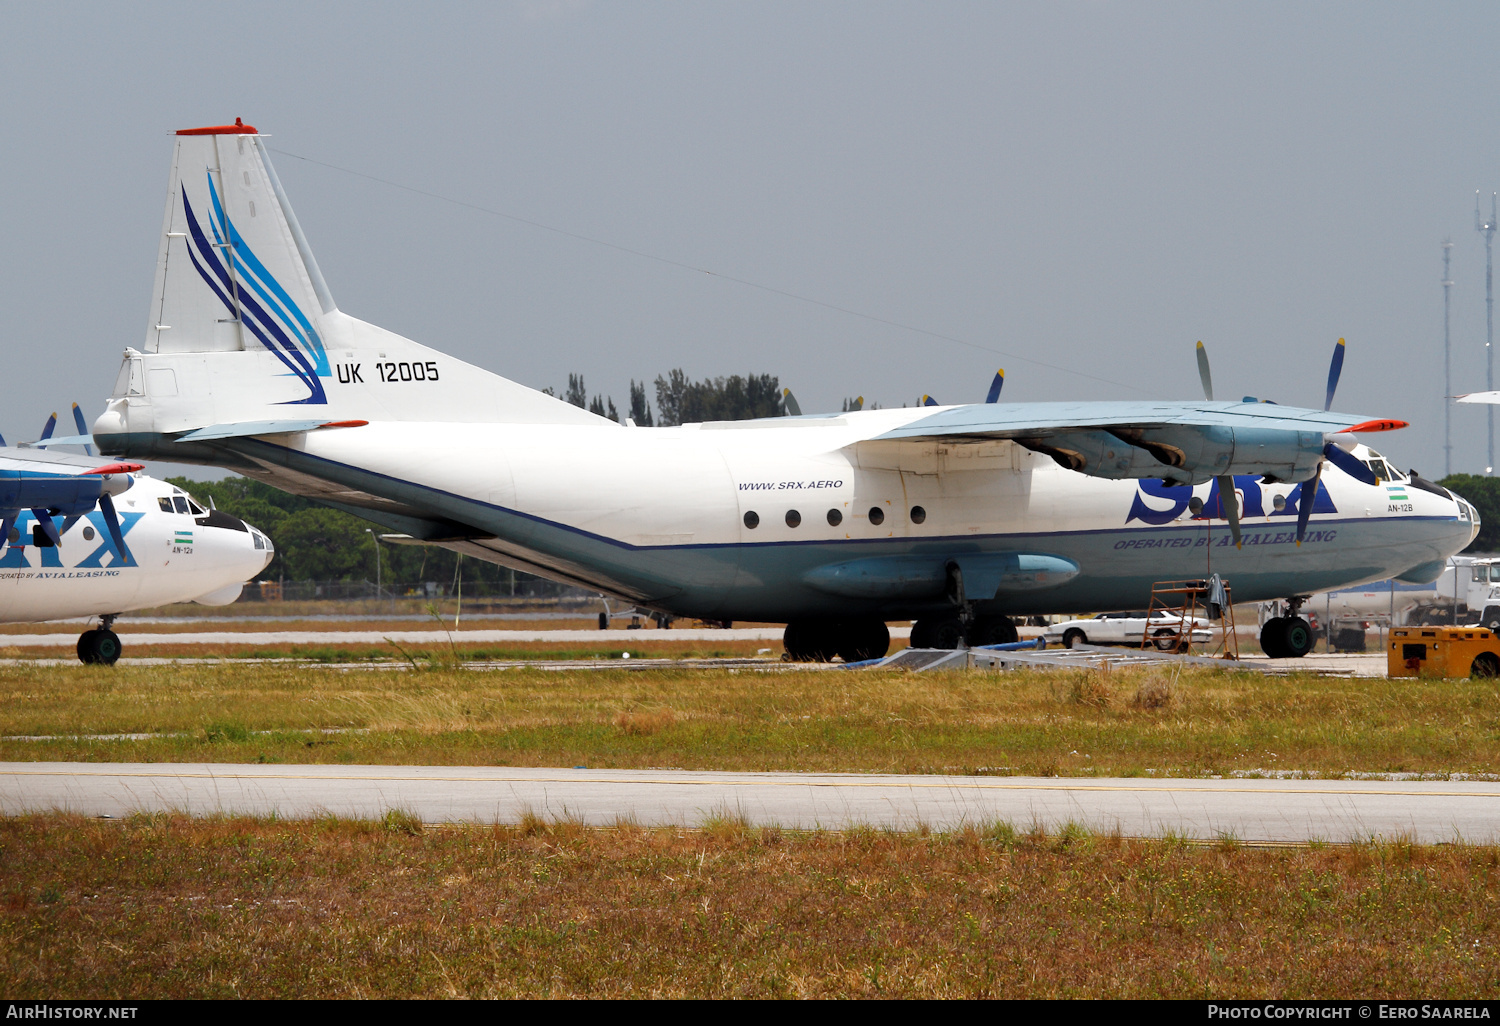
[81, 536]
[955, 516]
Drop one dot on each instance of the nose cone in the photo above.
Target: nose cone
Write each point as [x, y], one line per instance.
[252, 545]
[1466, 513]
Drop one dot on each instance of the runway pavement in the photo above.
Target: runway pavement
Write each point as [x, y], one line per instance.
[1248, 810]
[468, 637]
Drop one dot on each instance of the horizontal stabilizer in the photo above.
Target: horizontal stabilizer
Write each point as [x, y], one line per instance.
[262, 427]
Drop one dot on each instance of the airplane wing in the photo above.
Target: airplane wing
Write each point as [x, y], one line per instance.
[1187, 442]
[54, 483]
[1478, 397]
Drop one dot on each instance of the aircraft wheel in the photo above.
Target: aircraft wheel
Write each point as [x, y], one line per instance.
[1272, 638]
[992, 630]
[86, 646]
[946, 633]
[1297, 637]
[1073, 637]
[811, 641]
[863, 639]
[1485, 665]
[99, 647]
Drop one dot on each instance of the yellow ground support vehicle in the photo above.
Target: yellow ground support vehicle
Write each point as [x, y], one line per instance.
[1442, 652]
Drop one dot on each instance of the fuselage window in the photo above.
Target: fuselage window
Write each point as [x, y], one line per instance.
[877, 515]
[918, 514]
[835, 518]
[752, 519]
[793, 518]
[88, 534]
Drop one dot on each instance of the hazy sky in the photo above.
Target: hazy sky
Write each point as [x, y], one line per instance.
[1079, 191]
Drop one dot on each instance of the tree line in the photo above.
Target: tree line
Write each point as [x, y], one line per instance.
[680, 400]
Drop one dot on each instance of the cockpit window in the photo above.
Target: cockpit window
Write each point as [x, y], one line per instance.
[180, 501]
[165, 504]
[1381, 468]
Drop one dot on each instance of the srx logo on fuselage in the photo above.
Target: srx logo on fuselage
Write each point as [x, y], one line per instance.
[14, 555]
[1252, 503]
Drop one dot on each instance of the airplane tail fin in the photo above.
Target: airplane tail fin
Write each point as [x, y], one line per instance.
[243, 325]
[234, 271]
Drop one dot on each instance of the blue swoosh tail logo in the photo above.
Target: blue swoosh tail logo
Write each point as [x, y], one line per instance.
[265, 309]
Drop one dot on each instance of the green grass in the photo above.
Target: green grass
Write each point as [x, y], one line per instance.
[167, 907]
[1070, 723]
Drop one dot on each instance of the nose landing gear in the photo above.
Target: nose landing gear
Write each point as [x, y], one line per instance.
[1290, 636]
[100, 646]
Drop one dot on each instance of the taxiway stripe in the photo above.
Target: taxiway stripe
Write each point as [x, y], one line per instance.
[949, 785]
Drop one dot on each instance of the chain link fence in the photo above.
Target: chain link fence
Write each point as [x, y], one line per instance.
[345, 591]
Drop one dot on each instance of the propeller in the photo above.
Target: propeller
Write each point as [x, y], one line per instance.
[996, 386]
[1229, 501]
[1334, 370]
[83, 428]
[792, 409]
[49, 528]
[1349, 464]
[112, 522]
[1332, 453]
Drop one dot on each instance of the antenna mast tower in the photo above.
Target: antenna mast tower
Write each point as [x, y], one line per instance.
[1447, 367]
[1487, 229]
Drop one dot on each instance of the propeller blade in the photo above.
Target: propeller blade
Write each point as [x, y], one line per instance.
[792, 409]
[83, 428]
[44, 521]
[2, 442]
[1350, 465]
[1203, 375]
[112, 523]
[1334, 370]
[928, 400]
[996, 386]
[1306, 501]
[859, 404]
[6, 526]
[1229, 501]
[47, 428]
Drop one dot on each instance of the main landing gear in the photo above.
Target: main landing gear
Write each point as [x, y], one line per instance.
[951, 632]
[101, 646]
[1290, 636]
[818, 641]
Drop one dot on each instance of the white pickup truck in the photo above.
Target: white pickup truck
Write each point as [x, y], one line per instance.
[1129, 628]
